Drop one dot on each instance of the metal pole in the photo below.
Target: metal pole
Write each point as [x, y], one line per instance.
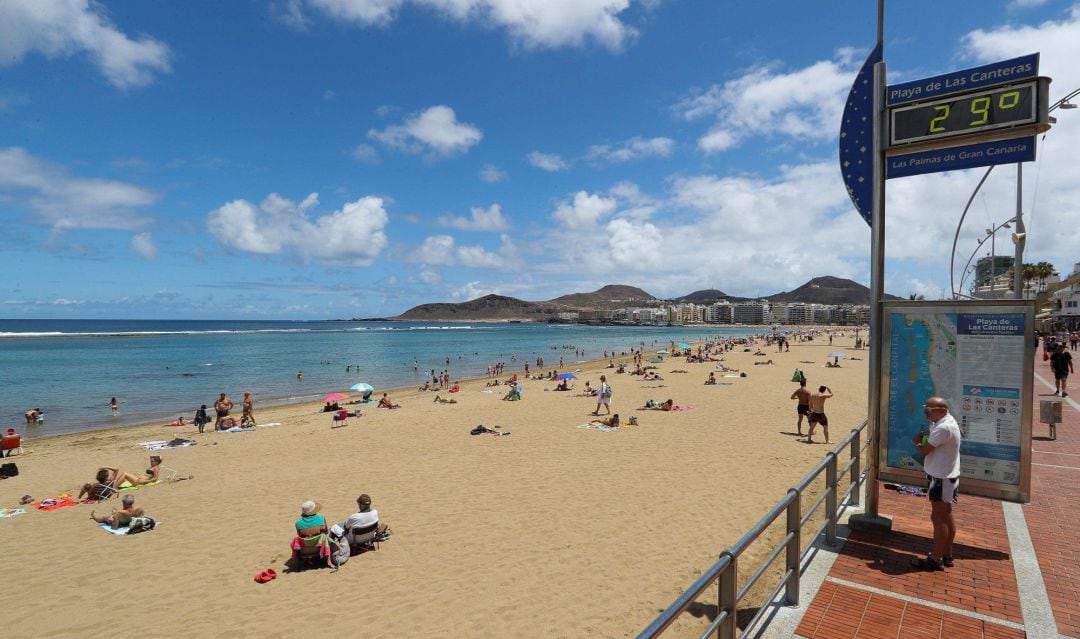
[956, 236]
[993, 261]
[1021, 236]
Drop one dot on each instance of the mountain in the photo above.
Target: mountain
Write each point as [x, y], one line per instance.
[828, 290]
[608, 297]
[707, 296]
[486, 307]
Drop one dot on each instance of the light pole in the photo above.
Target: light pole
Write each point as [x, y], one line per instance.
[989, 236]
[1020, 236]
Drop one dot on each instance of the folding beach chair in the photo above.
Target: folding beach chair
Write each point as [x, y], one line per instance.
[341, 418]
[11, 444]
[364, 538]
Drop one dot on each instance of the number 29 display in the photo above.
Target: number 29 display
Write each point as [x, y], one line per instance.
[993, 109]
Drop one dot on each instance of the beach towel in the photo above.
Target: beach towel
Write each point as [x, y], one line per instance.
[124, 530]
[270, 425]
[323, 543]
[731, 375]
[162, 444]
[63, 501]
[682, 407]
[237, 429]
[11, 512]
[129, 486]
[600, 427]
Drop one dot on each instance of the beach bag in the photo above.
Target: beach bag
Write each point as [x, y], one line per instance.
[9, 470]
[141, 524]
[798, 376]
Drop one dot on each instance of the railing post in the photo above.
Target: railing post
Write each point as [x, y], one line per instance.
[830, 499]
[855, 474]
[794, 548]
[728, 587]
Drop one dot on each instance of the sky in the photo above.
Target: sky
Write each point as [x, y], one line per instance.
[311, 159]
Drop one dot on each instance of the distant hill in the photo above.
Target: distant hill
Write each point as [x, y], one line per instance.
[828, 290]
[610, 296]
[707, 296]
[820, 290]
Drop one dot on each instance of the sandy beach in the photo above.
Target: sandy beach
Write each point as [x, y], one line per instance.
[552, 531]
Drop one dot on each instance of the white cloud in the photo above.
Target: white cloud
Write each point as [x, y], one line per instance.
[442, 250]
[473, 290]
[64, 201]
[436, 132]
[57, 28]
[547, 161]
[804, 104]
[584, 210]
[633, 149]
[1055, 40]
[492, 174]
[329, 95]
[351, 236]
[143, 244]
[489, 219]
[530, 23]
[365, 153]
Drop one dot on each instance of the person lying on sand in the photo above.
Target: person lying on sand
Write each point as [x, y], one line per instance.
[445, 401]
[651, 377]
[680, 370]
[179, 422]
[385, 402]
[612, 421]
[103, 486]
[768, 363]
[494, 383]
[152, 474]
[652, 405]
[119, 517]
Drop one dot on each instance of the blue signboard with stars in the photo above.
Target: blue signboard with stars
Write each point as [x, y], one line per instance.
[857, 137]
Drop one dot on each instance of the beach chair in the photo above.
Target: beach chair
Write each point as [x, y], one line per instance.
[341, 418]
[11, 444]
[311, 552]
[364, 538]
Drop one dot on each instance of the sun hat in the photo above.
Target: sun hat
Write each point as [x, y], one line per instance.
[309, 508]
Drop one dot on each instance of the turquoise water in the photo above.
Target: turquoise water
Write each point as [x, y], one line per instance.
[162, 369]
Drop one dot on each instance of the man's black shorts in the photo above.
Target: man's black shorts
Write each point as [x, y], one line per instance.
[945, 490]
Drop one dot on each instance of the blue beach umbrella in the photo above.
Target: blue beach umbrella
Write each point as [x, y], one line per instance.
[683, 345]
[566, 376]
[362, 387]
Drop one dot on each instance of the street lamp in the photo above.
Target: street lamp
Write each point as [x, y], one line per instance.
[990, 233]
[1020, 236]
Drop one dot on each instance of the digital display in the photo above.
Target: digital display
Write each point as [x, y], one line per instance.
[973, 112]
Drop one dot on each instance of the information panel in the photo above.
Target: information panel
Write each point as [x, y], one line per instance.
[979, 357]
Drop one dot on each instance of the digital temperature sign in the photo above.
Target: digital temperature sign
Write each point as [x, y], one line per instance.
[970, 113]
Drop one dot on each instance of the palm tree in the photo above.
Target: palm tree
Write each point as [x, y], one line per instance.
[1043, 271]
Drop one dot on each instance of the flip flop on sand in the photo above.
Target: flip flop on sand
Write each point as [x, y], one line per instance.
[265, 576]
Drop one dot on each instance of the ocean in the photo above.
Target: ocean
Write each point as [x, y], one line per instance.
[161, 369]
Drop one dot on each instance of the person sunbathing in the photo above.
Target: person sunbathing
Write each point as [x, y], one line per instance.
[427, 386]
[179, 422]
[152, 474]
[712, 380]
[649, 377]
[494, 383]
[612, 421]
[588, 391]
[563, 386]
[768, 363]
[385, 402]
[445, 401]
[652, 405]
[119, 517]
[103, 486]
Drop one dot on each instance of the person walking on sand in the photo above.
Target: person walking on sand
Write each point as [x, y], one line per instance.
[941, 446]
[803, 409]
[817, 413]
[114, 405]
[603, 396]
[222, 407]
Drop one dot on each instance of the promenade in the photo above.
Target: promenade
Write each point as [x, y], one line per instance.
[1016, 565]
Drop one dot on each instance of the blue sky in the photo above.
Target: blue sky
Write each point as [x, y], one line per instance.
[353, 158]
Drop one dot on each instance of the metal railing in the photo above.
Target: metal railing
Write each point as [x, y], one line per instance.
[725, 571]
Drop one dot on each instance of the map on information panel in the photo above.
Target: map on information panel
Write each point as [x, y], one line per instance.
[976, 361]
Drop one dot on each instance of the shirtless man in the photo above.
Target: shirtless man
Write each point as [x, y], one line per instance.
[223, 405]
[817, 413]
[120, 517]
[803, 409]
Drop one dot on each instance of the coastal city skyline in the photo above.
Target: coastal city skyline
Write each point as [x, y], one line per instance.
[304, 159]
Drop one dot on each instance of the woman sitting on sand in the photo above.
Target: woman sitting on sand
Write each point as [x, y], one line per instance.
[564, 385]
[386, 403]
[712, 380]
[445, 401]
[152, 474]
[652, 405]
[103, 486]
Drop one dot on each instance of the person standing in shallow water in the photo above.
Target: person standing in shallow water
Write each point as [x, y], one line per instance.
[114, 405]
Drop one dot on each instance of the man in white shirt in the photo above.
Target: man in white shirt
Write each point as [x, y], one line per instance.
[941, 447]
[365, 517]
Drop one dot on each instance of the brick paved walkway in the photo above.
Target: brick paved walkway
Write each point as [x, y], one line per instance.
[872, 592]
